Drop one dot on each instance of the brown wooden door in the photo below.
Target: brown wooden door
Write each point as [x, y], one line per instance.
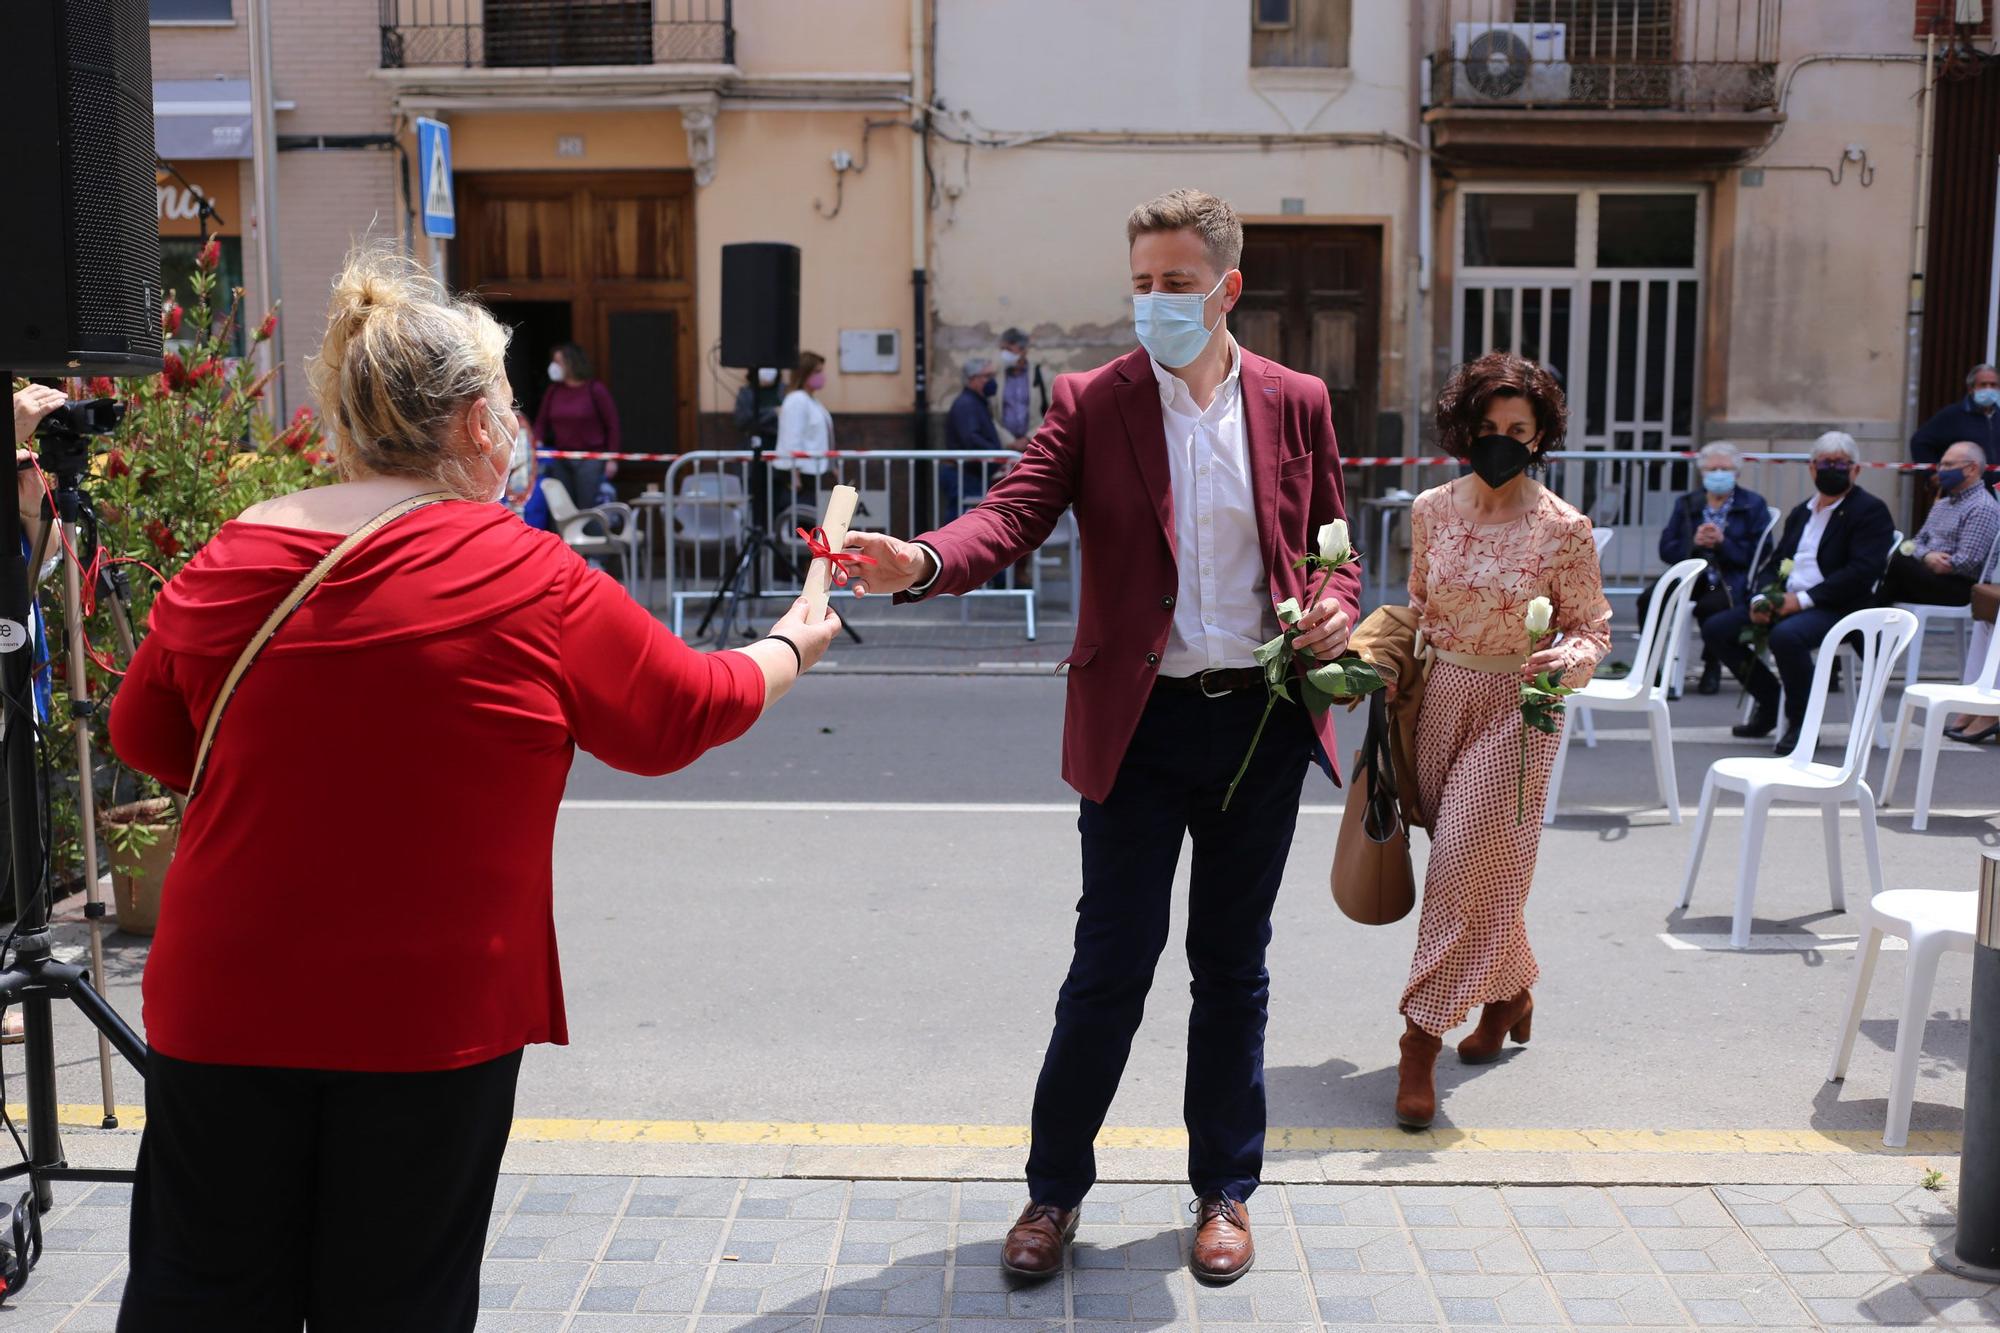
[1312, 300]
[619, 247]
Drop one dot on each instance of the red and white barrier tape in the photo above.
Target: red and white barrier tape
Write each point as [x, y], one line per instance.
[1429, 460]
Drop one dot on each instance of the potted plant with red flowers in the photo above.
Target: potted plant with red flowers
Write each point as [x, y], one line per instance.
[195, 449]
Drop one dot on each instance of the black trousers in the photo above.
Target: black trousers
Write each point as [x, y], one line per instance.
[274, 1199]
[1711, 599]
[1793, 642]
[1171, 785]
[1911, 580]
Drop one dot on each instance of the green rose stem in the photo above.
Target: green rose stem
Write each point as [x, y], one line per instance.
[1271, 698]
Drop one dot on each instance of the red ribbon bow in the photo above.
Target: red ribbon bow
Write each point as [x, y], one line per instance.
[841, 561]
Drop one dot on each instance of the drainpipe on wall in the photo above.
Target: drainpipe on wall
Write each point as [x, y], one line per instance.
[264, 171]
[1420, 318]
[1919, 244]
[920, 198]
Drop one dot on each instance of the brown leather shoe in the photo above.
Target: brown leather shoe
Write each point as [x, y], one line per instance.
[1505, 1018]
[1223, 1250]
[1037, 1240]
[1416, 1078]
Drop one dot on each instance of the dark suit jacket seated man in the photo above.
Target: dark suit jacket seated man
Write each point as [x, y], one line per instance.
[1940, 566]
[1838, 542]
[1975, 417]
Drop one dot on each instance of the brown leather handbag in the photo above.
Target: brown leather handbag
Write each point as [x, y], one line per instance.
[1372, 879]
[1985, 601]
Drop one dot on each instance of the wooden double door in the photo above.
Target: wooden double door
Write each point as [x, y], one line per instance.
[603, 259]
[1312, 300]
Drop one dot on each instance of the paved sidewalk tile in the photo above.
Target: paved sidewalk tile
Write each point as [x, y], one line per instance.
[591, 1254]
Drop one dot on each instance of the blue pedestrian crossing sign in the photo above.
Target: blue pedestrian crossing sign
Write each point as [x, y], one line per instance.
[434, 162]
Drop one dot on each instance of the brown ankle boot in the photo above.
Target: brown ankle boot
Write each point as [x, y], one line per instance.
[1416, 1087]
[1497, 1021]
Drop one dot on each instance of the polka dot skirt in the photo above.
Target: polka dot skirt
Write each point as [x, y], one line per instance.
[1472, 939]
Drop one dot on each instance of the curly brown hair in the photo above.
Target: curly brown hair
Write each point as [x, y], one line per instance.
[1473, 386]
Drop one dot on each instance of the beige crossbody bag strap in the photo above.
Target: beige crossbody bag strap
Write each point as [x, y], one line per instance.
[283, 612]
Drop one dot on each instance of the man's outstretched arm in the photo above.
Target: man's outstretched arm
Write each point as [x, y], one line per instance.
[1015, 518]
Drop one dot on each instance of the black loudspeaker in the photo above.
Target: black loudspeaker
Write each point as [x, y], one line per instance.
[79, 236]
[760, 305]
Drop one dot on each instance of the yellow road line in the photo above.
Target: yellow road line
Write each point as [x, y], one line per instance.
[797, 1134]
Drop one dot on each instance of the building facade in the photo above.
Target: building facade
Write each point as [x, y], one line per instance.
[1712, 217]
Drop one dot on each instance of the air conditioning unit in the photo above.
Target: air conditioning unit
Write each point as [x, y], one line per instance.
[1503, 64]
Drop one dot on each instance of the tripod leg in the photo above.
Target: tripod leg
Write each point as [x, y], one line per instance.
[44, 1135]
[730, 588]
[110, 1027]
[86, 801]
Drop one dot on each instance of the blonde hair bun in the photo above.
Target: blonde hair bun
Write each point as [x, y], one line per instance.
[401, 359]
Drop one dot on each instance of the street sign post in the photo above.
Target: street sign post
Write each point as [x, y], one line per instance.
[434, 160]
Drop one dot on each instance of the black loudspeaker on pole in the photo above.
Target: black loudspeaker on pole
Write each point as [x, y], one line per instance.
[1973, 1251]
[760, 305]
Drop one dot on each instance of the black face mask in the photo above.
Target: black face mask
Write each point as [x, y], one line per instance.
[1498, 459]
[1831, 480]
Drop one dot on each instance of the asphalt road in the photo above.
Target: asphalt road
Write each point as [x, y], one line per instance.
[778, 959]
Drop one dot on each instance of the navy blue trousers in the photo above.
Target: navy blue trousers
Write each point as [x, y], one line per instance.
[1793, 642]
[1170, 786]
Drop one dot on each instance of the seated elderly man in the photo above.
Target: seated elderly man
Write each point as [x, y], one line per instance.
[1721, 523]
[1941, 565]
[1837, 542]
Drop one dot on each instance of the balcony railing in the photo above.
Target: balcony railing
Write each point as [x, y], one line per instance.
[1680, 55]
[499, 34]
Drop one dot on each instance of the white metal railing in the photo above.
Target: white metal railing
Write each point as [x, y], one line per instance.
[712, 504]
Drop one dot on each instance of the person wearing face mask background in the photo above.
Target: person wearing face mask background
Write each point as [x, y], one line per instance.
[1939, 565]
[1975, 417]
[805, 427]
[756, 410]
[577, 413]
[1482, 547]
[1024, 393]
[1838, 543]
[1199, 474]
[1721, 523]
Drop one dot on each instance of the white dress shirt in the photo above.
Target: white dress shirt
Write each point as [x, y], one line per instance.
[1805, 561]
[1222, 611]
[804, 427]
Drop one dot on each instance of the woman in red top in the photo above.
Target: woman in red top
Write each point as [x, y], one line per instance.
[357, 936]
[577, 413]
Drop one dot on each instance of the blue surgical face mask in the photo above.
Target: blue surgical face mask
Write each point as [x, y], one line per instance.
[1986, 398]
[1950, 479]
[1718, 481]
[1170, 324]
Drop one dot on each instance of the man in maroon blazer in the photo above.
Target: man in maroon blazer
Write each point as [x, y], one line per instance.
[1199, 473]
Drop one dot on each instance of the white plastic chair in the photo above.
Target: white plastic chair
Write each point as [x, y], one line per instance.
[1981, 698]
[1853, 700]
[1885, 633]
[710, 510]
[1643, 689]
[1602, 536]
[1934, 921]
[620, 533]
[1958, 617]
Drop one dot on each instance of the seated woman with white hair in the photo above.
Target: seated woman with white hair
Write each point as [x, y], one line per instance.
[1721, 523]
[1838, 543]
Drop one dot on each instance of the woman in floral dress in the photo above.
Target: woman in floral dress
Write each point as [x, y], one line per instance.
[1483, 547]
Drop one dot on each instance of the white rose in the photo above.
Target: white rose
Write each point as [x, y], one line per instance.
[1910, 546]
[1334, 546]
[1540, 612]
[1784, 569]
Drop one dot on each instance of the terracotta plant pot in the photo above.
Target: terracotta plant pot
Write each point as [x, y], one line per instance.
[137, 879]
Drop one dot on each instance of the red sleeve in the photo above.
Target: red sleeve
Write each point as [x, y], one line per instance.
[151, 728]
[607, 414]
[636, 696]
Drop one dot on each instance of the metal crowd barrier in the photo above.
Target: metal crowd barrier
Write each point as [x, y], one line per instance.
[1632, 493]
[711, 502]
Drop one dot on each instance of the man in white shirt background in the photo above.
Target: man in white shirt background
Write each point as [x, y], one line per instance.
[1838, 543]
